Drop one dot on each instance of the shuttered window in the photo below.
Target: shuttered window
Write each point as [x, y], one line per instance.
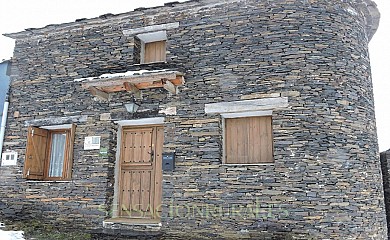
[155, 52]
[49, 154]
[248, 140]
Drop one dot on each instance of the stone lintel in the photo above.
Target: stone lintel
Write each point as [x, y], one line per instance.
[152, 28]
[141, 121]
[56, 121]
[247, 105]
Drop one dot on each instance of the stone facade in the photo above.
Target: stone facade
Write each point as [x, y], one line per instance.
[385, 157]
[326, 179]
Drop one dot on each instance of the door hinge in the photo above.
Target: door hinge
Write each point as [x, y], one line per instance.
[32, 133]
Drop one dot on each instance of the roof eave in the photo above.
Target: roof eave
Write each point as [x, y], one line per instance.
[372, 15]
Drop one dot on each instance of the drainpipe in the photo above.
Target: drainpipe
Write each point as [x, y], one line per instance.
[3, 123]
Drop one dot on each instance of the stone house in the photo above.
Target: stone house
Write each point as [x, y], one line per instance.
[385, 161]
[215, 118]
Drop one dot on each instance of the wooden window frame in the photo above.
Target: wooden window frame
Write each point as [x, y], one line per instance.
[141, 41]
[68, 156]
[164, 50]
[239, 116]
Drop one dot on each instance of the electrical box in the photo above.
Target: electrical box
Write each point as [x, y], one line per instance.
[168, 161]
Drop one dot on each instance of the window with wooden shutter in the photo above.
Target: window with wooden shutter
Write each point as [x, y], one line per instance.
[150, 47]
[248, 140]
[155, 52]
[49, 153]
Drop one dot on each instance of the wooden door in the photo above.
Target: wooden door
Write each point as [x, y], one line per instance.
[141, 172]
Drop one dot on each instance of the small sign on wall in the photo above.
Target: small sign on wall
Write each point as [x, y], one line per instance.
[9, 158]
[103, 152]
[92, 142]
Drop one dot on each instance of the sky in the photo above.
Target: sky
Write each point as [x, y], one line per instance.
[17, 15]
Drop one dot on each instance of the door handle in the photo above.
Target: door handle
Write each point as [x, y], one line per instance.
[151, 155]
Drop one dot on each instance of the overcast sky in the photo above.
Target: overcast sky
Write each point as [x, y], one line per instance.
[16, 15]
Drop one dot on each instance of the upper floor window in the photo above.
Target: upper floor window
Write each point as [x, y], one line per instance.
[155, 52]
[49, 152]
[150, 47]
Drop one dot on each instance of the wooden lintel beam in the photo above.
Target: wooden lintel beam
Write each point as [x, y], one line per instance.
[131, 79]
[98, 93]
[133, 89]
[170, 87]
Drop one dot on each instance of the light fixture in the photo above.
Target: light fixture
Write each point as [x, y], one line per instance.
[131, 107]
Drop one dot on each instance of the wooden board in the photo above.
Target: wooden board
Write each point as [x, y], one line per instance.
[119, 86]
[135, 79]
[141, 171]
[155, 52]
[248, 140]
[36, 150]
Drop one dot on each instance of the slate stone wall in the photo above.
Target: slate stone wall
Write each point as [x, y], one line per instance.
[326, 180]
[385, 157]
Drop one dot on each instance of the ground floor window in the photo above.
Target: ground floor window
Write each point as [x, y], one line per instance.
[248, 140]
[49, 152]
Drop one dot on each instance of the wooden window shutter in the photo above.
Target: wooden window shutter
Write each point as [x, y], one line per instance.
[265, 141]
[155, 52]
[67, 174]
[248, 140]
[36, 150]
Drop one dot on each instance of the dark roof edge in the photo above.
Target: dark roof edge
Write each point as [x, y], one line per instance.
[110, 18]
[367, 7]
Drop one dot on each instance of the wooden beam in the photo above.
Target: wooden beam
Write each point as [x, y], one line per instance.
[156, 84]
[133, 89]
[170, 87]
[131, 79]
[179, 80]
[96, 92]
